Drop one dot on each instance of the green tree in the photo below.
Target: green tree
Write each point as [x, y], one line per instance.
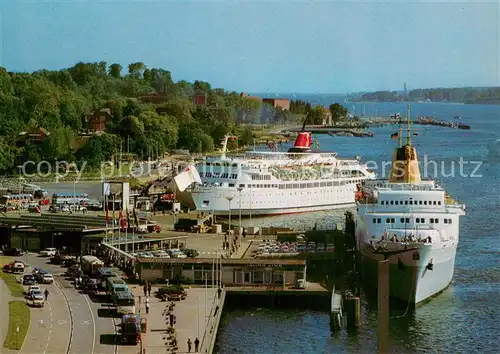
[136, 70]
[338, 112]
[115, 70]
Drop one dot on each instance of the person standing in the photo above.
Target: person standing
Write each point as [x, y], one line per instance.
[145, 288]
[46, 294]
[196, 344]
[149, 289]
[189, 345]
[147, 306]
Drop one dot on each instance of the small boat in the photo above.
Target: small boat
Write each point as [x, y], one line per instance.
[463, 126]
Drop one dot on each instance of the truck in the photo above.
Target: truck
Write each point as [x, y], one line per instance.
[124, 302]
[130, 329]
[90, 264]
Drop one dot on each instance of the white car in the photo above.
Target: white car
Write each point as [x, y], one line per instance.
[48, 252]
[33, 288]
[48, 278]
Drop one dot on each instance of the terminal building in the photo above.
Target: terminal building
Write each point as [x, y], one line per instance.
[233, 271]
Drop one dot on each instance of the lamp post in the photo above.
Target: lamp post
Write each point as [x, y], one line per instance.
[229, 199]
[239, 229]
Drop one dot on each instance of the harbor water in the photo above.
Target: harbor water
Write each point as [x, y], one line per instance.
[465, 316]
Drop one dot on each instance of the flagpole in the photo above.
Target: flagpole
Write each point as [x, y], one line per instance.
[126, 236]
[113, 223]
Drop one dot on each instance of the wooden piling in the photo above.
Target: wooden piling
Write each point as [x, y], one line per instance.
[383, 306]
[353, 305]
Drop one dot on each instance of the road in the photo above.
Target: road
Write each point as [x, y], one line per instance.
[70, 322]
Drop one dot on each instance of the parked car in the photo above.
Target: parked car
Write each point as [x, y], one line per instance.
[34, 209]
[18, 268]
[55, 208]
[48, 252]
[15, 252]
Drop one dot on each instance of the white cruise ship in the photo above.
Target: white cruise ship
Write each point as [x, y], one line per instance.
[271, 182]
[412, 221]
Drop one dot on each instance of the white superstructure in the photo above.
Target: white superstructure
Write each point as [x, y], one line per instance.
[270, 182]
[412, 221]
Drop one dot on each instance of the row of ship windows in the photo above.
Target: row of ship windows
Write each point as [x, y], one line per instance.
[411, 202]
[291, 186]
[407, 220]
[219, 175]
[225, 164]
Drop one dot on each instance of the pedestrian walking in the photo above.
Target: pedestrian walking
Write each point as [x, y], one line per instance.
[189, 345]
[219, 292]
[149, 289]
[46, 294]
[147, 308]
[145, 289]
[171, 317]
[196, 344]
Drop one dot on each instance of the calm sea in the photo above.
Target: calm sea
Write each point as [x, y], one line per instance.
[466, 316]
[463, 318]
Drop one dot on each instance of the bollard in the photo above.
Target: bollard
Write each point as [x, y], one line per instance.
[353, 305]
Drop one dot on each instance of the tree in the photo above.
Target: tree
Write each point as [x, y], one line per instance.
[136, 70]
[338, 112]
[317, 115]
[58, 144]
[115, 70]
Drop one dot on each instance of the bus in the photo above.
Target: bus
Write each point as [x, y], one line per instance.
[16, 200]
[70, 198]
[124, 302]
[115, 284]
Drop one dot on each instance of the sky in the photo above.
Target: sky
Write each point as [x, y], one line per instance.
[265, 46]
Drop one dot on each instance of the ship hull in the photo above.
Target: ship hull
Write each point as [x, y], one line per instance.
[274, 202]
[412, 281]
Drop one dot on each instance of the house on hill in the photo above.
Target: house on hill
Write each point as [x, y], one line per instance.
[36, 135]
[278, 102]
[95, 123]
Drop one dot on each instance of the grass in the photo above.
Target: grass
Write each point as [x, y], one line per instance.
[19, 316]
[10, 280]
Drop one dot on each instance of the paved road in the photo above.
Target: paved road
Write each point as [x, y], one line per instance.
[90, 323]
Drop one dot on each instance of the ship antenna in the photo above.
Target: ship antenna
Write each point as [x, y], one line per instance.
[408, 128]
[400, 135]
[305, 121]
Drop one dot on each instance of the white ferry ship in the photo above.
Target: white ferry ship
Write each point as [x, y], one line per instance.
[271, 182]
[413, 222]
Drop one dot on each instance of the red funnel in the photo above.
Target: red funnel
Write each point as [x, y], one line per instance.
[303, 141]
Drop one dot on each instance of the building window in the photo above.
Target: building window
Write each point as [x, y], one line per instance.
[402, 220]
[379, 220]
[392, 202]
[431, 220]
[407, 220]
[242, 186]
[449, 221]
[420, 202]
[436, 221]
[406, 202]
[439, 202]
[422, 220]
[231, 184]
[374, 220]
[445, 221]
[388, 221]
[382, 202]
[417, 220]
[425, 202]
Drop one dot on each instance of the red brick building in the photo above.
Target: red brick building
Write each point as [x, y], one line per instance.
[199, 100]
[278, 102]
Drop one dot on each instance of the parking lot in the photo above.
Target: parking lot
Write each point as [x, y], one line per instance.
[69, 318]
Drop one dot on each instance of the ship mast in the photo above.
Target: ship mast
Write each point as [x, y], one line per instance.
[408, 128]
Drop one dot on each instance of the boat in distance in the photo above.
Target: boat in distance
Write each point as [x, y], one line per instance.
[272, 182]
[413, 223]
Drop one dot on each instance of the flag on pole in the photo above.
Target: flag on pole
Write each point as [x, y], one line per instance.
[122, 221]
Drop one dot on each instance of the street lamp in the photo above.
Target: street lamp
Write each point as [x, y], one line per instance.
[229, 199]
[239, 230]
